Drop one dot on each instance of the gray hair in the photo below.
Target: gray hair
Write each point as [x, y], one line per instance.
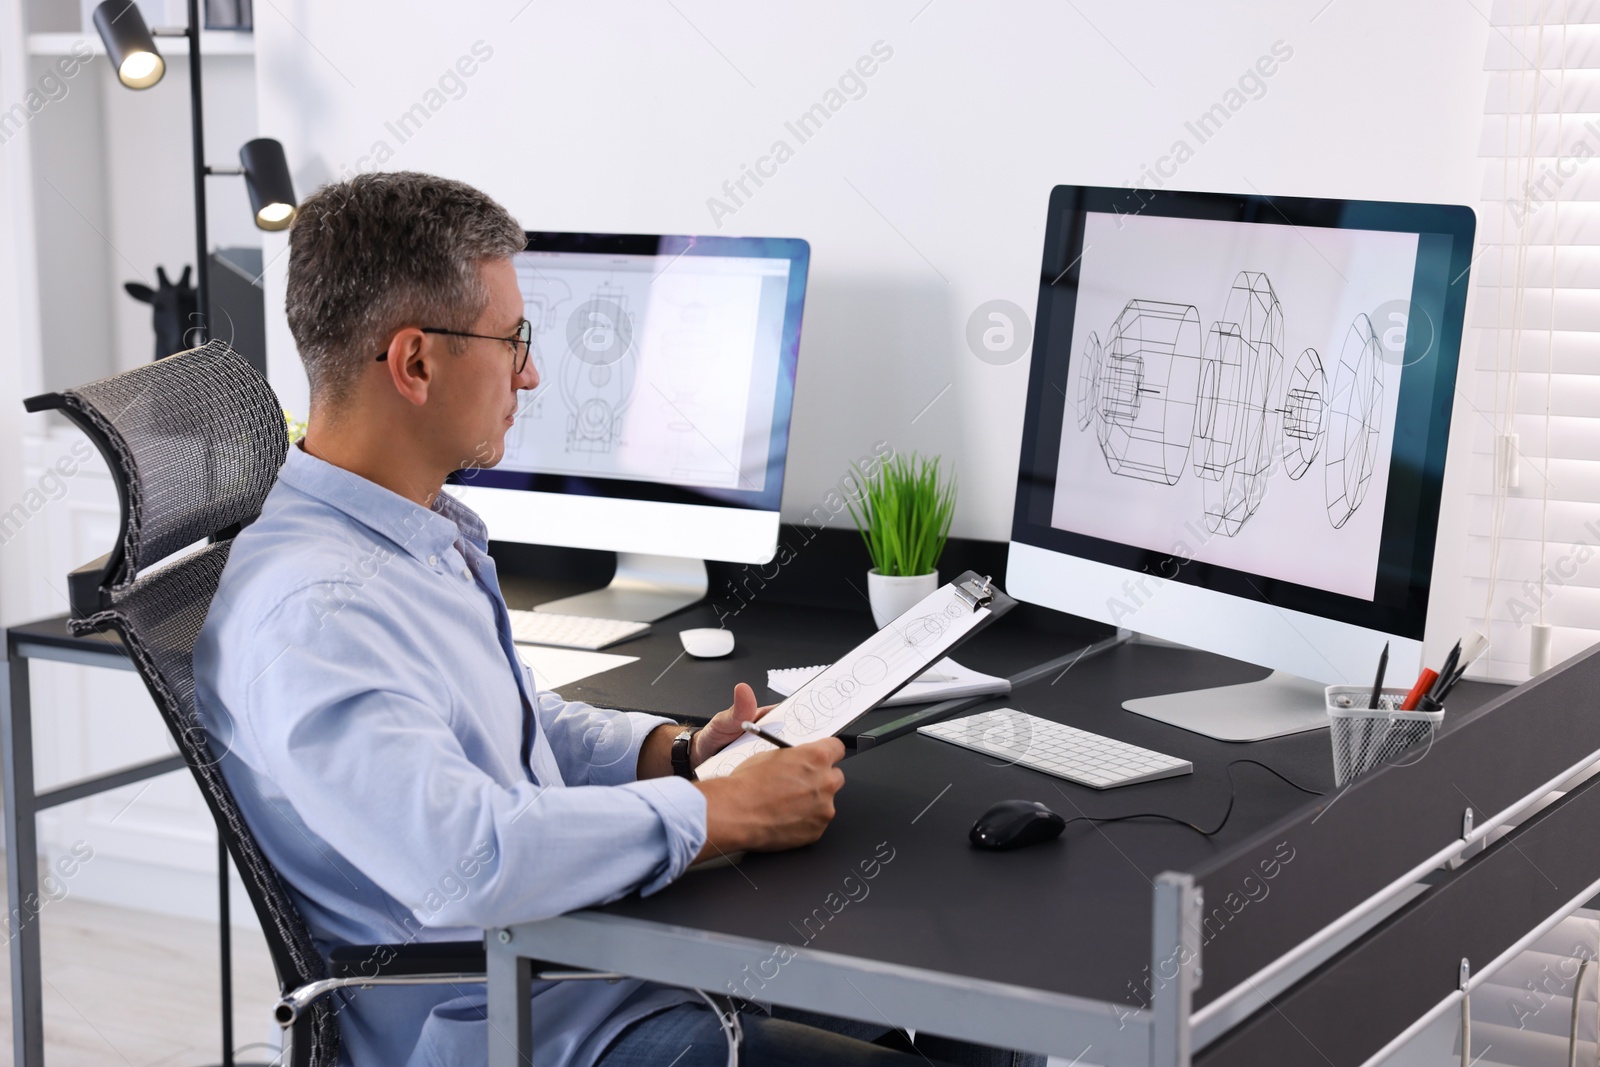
[381, 251]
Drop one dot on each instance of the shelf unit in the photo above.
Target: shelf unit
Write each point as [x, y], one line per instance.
[219, 43]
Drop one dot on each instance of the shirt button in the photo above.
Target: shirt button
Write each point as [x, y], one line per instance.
[466, 574]
[433, 561]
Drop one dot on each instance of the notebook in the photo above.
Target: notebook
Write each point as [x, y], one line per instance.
[945, 680]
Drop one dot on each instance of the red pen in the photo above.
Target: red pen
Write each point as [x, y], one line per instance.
[1424, 683]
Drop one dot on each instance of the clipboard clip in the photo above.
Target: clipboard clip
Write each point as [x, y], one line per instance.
[976, 592]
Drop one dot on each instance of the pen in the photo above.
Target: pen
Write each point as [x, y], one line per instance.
[1377, 683]
[1445, 672]
[1476, 646]
[752, 728]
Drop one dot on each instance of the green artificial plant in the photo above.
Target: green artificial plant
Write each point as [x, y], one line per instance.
[905, 515]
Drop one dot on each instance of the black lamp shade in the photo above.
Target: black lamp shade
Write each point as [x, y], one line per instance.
[266, 176]
[128, 42]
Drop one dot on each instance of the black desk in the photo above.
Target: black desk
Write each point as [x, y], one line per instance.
[1429, 874]
[1070, 917]
[771, 635]
[1052, 947]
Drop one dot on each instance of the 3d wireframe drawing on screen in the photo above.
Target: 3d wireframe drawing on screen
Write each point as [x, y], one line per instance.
[1209, 367]
[1159, 400]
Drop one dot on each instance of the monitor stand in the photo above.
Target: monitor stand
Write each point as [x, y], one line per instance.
[1277, 705]
[645, 588]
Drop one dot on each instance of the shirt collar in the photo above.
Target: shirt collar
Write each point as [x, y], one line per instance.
[419, 531]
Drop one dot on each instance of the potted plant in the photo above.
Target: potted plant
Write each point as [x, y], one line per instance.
[904, 517]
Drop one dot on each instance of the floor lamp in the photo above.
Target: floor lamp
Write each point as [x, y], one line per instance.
[131, 45]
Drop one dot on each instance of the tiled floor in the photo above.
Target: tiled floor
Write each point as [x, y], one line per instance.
[125, 987]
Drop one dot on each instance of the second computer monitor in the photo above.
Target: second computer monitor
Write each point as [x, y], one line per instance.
[660, 426]
[1236, 425]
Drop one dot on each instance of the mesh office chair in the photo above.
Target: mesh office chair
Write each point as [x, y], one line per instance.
[194, 443]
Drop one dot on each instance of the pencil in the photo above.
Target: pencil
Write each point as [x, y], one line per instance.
[752, 728]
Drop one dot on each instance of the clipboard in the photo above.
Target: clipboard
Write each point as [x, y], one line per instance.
[876, 669]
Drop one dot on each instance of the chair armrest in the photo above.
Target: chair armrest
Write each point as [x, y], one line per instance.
[419, 957]
[417, 963]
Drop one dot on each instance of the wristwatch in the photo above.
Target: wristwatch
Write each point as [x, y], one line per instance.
[680, 753]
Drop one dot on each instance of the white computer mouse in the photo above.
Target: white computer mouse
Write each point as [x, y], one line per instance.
[706, 642]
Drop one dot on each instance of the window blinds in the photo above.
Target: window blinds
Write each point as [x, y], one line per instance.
[1530, 366]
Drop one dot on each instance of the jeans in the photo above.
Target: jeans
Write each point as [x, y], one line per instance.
[689, 1036]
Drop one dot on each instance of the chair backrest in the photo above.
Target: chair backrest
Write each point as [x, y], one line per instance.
[194, 443]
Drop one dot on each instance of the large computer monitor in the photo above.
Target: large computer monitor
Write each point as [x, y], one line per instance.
[1235, 435]
[660, 426]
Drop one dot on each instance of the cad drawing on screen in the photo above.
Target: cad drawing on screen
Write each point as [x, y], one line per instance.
[1234, 425]
[1161, 397]
[1144, 391]
[1353, 421]
[598, 377]
[542, 306]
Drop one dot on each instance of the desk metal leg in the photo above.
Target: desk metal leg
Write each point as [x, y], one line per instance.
[510, 1004]
[1174, 967]
[22, 863]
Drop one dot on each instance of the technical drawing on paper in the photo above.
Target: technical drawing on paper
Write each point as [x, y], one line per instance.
[860, 679]
[1353, 421]
[1159, 400]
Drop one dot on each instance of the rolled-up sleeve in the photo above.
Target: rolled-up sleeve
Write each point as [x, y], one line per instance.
[375, 770]
[594, 746]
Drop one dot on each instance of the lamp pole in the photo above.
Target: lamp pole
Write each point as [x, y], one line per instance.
[199, 335]
[202, 262]
[202, 268]
[125, 43]
[200, 332]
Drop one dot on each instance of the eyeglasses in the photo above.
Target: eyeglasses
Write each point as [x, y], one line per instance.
[521, 342]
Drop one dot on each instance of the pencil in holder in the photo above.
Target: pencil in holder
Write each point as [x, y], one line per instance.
[1365, 737]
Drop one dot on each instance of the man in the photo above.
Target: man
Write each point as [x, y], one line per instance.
[397, 762]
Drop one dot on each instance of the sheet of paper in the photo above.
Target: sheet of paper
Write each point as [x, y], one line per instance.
[944, 680]
[555, 667]
[861, 679]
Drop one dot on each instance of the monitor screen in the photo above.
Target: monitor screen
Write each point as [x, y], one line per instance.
[1247, 394]
[666, 368]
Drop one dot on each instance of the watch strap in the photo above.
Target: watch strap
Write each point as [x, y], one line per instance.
[681, 745]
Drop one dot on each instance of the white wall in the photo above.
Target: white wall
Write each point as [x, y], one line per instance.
[922, 199]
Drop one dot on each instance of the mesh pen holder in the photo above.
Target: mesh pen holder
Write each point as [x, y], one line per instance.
[1365, 737]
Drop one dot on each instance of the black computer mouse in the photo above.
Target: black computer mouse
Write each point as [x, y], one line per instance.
[1015, 823]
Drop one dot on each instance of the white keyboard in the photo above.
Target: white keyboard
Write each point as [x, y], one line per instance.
[1064, 751]
[570, 631]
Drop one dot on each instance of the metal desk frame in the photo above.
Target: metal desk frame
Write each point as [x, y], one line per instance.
[22, 806]
[1169, 1031]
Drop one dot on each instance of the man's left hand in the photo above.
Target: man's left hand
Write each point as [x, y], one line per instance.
[727, 726]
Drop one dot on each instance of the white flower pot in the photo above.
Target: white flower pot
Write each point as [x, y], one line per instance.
[892, 596]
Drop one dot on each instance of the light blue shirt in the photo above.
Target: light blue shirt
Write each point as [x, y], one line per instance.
[404, 773]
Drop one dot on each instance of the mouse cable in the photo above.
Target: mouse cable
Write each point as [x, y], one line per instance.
[1226, 815]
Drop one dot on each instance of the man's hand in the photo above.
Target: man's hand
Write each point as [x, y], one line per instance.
[726, 726]
[782, 798]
